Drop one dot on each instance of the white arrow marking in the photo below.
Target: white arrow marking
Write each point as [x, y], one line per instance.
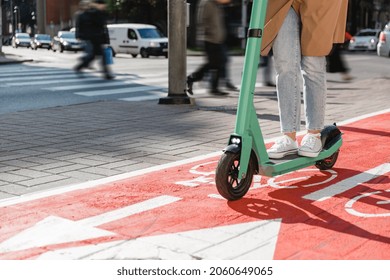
[348, 183]
[54, 230]
[246, 241]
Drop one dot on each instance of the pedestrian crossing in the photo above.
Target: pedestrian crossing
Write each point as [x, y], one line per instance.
[126, 87]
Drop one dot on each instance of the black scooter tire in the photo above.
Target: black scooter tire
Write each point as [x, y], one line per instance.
[226, 176]
[327, 163]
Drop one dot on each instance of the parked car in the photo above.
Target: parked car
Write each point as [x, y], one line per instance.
[383, 47]
[41, 41]
[365, 39]
[66, 40]
[21, 40]
[135, 39]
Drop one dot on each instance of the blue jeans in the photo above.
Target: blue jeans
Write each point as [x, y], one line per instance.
[291, 68]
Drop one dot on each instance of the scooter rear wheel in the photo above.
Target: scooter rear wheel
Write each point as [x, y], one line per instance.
[327, 163]
[226, 176]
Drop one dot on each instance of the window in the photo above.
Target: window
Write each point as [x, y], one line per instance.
[149, 33]
[131, 34]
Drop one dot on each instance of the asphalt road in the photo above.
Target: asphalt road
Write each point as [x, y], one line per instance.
[49, 80]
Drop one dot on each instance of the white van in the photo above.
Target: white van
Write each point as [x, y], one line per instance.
[135, 38]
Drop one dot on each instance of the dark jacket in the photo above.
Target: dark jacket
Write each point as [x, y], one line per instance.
[211, 21]
[91, 26]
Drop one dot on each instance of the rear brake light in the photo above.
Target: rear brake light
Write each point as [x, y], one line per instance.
[382, 37]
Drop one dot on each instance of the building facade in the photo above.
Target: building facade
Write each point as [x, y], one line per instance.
[55, 15]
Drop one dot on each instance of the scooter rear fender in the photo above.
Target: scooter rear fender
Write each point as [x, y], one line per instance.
[330, 135]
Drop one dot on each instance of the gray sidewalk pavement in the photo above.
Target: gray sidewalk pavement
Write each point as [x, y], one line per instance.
[53, 147]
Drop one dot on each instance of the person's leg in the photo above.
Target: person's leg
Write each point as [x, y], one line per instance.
[87, 57]
[224, 68]
[105, 67]
[268, 71]
[217, 67]
[198, 74]
[314, 91]
[314, 94]
[287, 58]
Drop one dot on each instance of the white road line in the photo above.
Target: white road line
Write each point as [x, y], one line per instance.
[42, 77]
[348, 183]
[35, 71]
[55, 81]
[148, 96]
[124, 212]
[120, 82]
[118, 90]
[86, 86]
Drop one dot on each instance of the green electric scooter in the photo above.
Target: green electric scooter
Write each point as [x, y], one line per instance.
[246, 153]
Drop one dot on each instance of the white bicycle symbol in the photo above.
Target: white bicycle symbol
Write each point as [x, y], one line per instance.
[275, 182]
[349, 206]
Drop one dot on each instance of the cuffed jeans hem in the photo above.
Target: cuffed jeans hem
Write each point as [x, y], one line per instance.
[289, 131]
[320, 128]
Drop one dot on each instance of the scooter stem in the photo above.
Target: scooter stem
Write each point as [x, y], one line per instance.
[251, 62]
[246, 121]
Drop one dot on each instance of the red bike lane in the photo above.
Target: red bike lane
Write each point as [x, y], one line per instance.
[341, 213]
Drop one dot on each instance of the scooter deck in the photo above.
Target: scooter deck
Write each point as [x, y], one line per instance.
[290, 163]
[284, 159]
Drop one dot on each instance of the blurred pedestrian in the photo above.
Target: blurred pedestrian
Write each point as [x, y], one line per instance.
[225, 75]
[335, 62]
[212, 27]
[266, 62]
[301, 34]
[91, 27]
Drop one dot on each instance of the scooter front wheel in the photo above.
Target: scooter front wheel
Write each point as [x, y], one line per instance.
[226, 176]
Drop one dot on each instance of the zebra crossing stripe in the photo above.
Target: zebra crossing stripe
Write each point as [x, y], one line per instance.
[118, 90]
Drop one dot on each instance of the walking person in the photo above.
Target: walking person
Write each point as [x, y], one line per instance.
[335, 63]
[212, 27]
[91, 27]
[267, 63]
[301, 34]
[225, 74]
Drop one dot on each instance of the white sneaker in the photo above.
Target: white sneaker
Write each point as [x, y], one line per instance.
[311, 145]
[283, 146]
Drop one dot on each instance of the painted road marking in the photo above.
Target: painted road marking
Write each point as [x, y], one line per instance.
[349, 206]
[348, 183]
[119, 90]
[54, 230]
[150, 95]
[245, 241]
[273, 181]
[206, 177]
[54, 81]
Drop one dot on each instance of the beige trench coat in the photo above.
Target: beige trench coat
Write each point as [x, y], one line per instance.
[323, 23]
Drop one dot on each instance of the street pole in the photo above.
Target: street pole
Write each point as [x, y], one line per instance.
[1, 27]
[41, 16]
[177, 54]
[244, 19]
